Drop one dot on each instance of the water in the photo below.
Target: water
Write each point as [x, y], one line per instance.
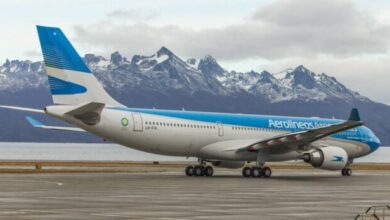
[111, 152]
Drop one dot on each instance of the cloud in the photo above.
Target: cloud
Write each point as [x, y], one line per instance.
[33, 54]
[134, 14]
[281, 29]
[319, 13]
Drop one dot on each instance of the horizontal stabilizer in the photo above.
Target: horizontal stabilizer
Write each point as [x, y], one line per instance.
[37, 124]
[88, 113]
[34, 122]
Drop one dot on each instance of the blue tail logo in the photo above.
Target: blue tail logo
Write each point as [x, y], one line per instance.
[61, 87]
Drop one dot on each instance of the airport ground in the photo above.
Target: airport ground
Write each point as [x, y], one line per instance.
[72, 190]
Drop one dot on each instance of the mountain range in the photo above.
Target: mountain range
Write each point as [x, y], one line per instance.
[163, 80]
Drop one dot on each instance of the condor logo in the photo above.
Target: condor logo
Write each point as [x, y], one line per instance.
[338, 159]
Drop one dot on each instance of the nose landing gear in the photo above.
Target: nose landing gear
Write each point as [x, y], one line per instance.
[346, 172]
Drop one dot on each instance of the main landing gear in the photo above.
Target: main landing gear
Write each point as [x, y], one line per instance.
[346, 172]
[199, 170]
[257, 171]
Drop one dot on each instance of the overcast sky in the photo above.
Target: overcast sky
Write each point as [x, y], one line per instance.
[344, 38]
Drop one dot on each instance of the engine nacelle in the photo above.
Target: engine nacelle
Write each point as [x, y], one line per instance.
[328, 158]
[228, 164]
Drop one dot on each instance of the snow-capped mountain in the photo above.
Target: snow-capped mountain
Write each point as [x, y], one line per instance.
[163, 80]
[303, 84]
[18, 75]
[164, 71]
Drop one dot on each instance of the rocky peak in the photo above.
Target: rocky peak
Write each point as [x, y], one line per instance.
[7, 63]
[266, 77]
[92, 58]
[164, 51]
[209, 65]
[303, 77]
[147, 63]
[15, 66]
[116, 58]
[192, 61]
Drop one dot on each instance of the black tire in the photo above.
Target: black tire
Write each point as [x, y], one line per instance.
[267, 172]
[348, 172]
[256, 172]
[343, 172]
[246, 172]
[208, 171]
[189, 170]
[198, 171]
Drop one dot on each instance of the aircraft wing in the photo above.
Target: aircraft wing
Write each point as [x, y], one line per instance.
[296, 140]
[231, 149]
[22, 109]
[38, 124]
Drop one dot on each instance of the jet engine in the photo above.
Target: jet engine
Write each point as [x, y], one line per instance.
[228, 164]
[327, 158]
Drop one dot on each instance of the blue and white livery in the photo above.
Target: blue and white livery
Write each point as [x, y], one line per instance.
[218, 139]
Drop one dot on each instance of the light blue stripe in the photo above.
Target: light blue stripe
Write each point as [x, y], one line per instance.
[258, 121]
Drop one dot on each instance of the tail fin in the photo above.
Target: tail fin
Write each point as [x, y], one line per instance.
[71, 81]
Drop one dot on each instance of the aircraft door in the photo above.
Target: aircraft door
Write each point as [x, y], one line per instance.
[137, 122]
[220, 129]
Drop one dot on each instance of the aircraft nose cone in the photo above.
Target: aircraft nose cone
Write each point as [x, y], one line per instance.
[376, 143]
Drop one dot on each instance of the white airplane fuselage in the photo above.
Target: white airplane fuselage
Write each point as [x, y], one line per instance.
[153, 131]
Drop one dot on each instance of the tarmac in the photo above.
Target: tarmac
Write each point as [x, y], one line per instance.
[169, 194]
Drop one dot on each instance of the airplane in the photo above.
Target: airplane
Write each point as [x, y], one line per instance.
[216, 139]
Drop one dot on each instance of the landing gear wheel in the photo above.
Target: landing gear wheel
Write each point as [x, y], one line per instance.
[256, 172]
[346, 172]
[267, 172]
[246, 172]
[198, 171]
[208, 171]
[189, 170]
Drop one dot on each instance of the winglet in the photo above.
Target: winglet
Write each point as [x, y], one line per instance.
[34, 122]
[354, 115]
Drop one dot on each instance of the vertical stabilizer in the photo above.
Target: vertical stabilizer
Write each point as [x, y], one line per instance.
[71, 81]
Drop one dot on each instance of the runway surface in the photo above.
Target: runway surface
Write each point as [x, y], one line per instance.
[289, 194]
[112, 152]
